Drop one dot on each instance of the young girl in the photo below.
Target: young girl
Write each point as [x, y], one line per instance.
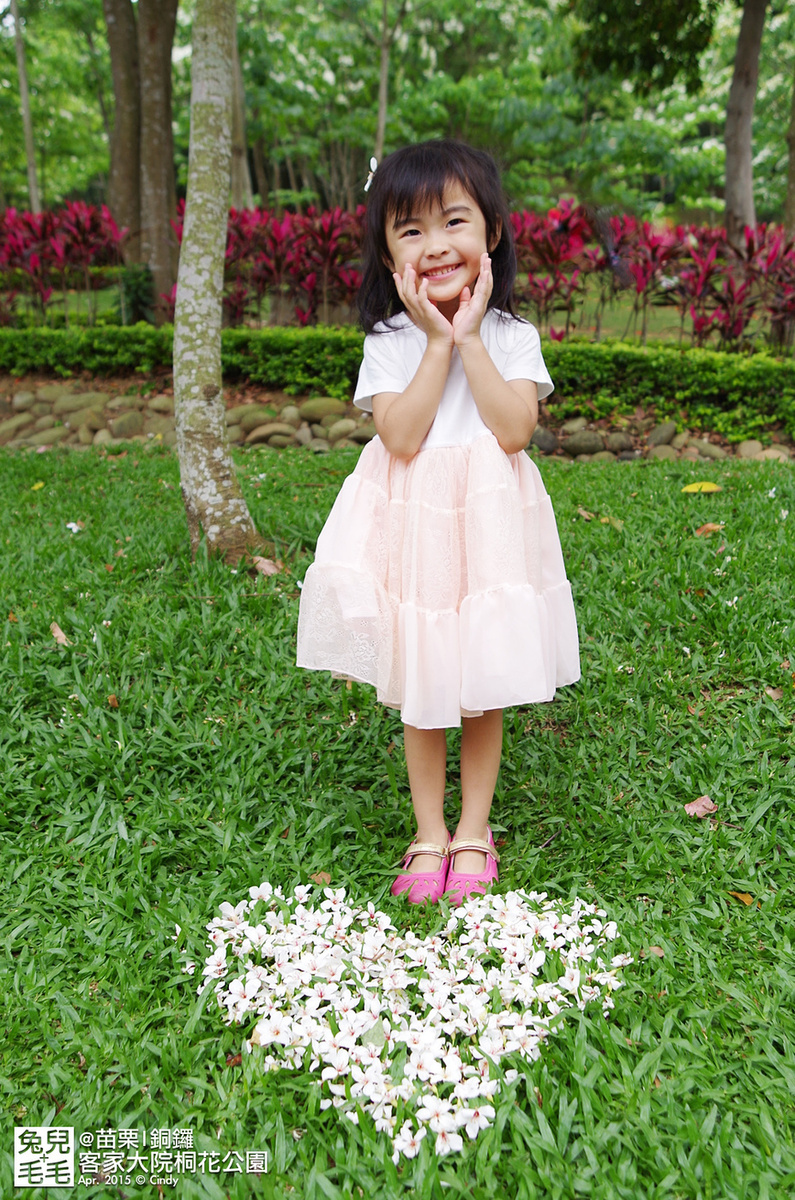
[438, 576]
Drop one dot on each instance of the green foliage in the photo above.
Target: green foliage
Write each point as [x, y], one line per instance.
[506, 74]
[317, 360]
[136, 298]
[223, 764]
[104, 350]
[651, 43]
[321, 360]
[68, 66]
[730, 394]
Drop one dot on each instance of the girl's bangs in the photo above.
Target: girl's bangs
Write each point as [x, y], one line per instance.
[419, 186]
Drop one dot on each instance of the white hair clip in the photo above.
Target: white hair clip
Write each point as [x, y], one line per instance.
[373, 169]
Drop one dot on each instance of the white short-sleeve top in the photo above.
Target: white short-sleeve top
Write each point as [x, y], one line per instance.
[392, 357]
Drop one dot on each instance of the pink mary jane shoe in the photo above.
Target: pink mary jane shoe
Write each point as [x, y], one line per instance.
[460, 886]
[427, 886]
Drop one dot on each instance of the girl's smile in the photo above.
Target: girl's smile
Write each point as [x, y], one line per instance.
[443, 244]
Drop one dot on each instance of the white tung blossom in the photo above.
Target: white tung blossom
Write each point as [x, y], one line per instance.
[412, 1031]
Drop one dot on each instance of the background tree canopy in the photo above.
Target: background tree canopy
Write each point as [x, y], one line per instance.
[563, 91]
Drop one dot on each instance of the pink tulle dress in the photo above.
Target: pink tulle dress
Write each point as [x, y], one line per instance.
[440, 579]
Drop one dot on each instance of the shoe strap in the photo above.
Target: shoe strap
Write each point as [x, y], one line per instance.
[426, 848]
[473, 844]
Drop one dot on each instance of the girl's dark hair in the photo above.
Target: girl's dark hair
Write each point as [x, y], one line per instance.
[414, 178]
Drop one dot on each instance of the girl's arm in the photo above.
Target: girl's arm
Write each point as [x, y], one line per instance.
[402, 419]
[508, 408]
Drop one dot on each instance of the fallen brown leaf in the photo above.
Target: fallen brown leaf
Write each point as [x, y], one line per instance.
[657, 951]
[234, 1060]
[322, 878]
[267, 566]
[113, 701]
[745, 897]
[709, 528]
[775, 693]
[586, 516]
[59, 635]
[703, 807]
[13, 619]
[109, 566]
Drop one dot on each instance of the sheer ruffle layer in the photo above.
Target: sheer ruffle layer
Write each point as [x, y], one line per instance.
[440, 581]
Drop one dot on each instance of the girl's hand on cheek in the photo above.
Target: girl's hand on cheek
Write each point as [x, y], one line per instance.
[423, 313]
[473, 304]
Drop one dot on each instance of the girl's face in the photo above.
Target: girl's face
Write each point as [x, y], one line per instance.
[443, 244]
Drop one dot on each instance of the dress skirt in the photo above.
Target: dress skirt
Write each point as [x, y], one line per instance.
[440, 581]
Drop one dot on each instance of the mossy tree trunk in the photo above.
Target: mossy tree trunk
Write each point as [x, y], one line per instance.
[213, 499]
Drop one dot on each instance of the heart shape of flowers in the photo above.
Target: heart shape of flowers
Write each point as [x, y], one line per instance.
[410, 1030]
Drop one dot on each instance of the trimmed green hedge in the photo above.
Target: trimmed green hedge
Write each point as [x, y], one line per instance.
[102, 350]
[731, 394]
[316, 360]
[322, 360]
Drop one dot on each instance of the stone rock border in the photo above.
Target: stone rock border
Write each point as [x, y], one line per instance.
[645, 437]
[49, 414]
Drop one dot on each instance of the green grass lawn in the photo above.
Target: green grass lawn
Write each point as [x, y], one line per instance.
[172, 756]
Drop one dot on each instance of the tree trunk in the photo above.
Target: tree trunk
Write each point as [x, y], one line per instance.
[241, 176]
[156, 23]
[739, 195]
[103, 108]
[383, 80]
[124, 190]
[212, 495]
[261, 171]
[789, 210]
[27, 123]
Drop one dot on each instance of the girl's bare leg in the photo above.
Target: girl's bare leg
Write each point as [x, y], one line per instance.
[426, 759]
[481, 751]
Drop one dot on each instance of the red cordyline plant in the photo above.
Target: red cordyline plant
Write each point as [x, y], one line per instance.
[609, 260]
[27, 250]
[66, 244]
[767, 258]
[736, 307]
[307, 266]
[271, 269]
[324, 263]
[653, 256]
[552, 251]
[88, 237]
[695, 288]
